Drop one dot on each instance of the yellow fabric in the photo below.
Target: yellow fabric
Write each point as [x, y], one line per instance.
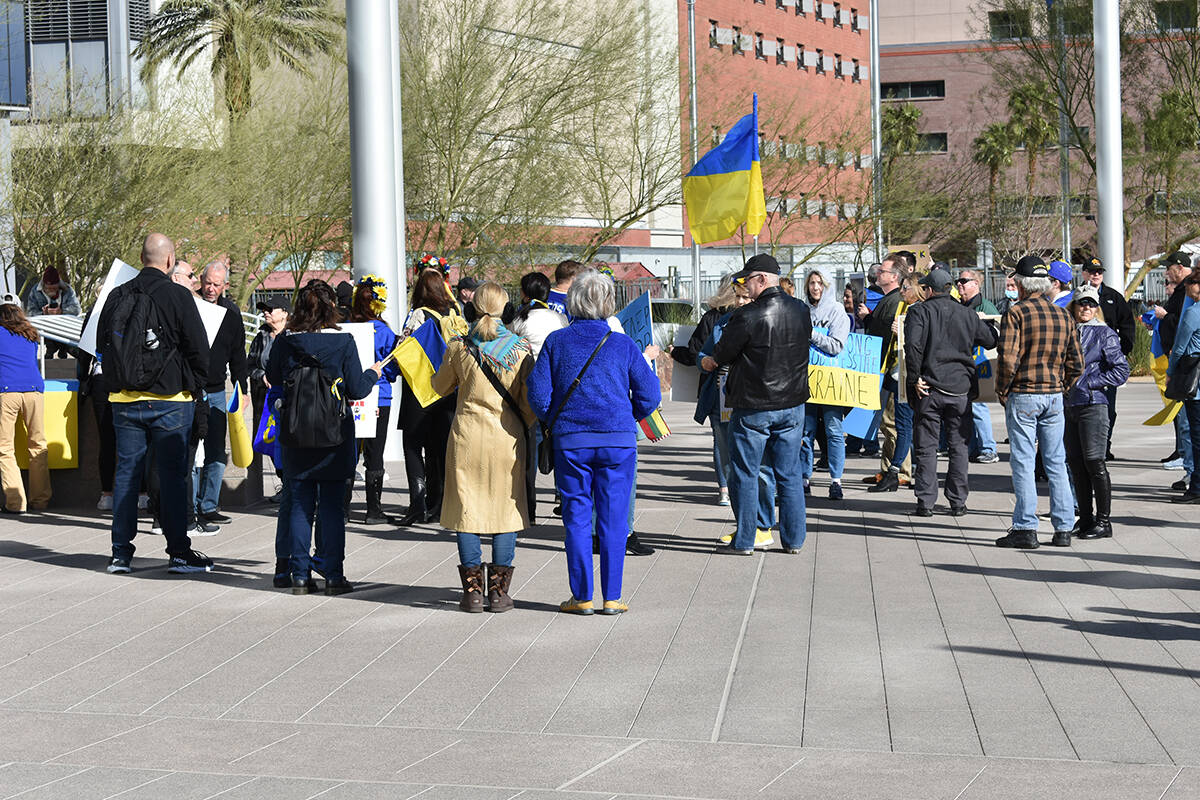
[26, 407]
[59, 429]
[417, 369]
[241, 448]
[718, 204]
[127, 396]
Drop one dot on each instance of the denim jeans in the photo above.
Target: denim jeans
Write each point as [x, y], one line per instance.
[778, 435]
[1037, 419]
[470, 550]
[207, 479]
[983, 440]
[165, 425]
[720, 432]
[904, 433]
[322, 499]
[831, 418]
[1184, 433]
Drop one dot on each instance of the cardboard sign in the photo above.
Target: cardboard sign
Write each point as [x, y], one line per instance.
[366, 410]
[851, 378]
[921, 251]
[637, 321]
[118, 273]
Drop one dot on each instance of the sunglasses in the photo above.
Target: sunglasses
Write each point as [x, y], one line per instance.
[1087, 304]
[961, 281]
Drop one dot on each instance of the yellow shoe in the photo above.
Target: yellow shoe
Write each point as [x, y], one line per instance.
[726, 539]
[614, 607]
[574, 606]
[763, 538]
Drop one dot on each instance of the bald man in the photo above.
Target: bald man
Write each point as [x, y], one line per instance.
[155, 357]
[183, 274]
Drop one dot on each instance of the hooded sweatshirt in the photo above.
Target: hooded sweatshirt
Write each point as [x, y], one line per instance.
[829, 314]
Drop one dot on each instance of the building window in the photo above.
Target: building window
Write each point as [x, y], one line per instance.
[1181, 203]
[712, 34]
[819, 11]
[759, 52]
[801, 57]
[838, 72]
[932, 143]
[854, 20]
[14, 87]
[914, 90]
[780, 5]
[760, 2]
[737, 41]
[1175, 15]
[820, 61]
[716, 135]
[857, 74]
[779, 59]
[1009, 25]
[1076, 18]
[800, 8]
[837, 15]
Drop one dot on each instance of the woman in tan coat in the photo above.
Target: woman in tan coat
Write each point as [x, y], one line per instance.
[485, 459]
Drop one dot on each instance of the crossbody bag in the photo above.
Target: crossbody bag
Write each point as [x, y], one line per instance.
[546, 452]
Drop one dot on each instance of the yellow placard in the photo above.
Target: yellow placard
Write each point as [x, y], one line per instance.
[837, 386]
[60, 420]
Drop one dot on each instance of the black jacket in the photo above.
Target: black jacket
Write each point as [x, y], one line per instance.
[940, 337]
[1169, 325]
[1118, 316]
[187, 371]
[765, 345]
[229, 348]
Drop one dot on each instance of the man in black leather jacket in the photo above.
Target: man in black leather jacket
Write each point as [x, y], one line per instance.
[765, 345]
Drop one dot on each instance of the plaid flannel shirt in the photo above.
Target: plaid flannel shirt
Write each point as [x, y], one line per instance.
[1039, 349]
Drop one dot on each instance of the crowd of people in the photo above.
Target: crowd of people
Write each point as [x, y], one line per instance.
[551, 383]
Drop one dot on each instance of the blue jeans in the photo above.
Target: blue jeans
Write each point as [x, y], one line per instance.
[831, 418]
[283, 519]
[322, 499]
[766, 494]
[470, 550]
[165, 425]
[983, 440]
[720, 432]
[599, 480]
[779, 436]
[207, 479]
[1183, 432]
[904, 432]
[1035, 419]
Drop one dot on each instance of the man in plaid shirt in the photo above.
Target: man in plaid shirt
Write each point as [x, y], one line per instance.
[1040, 358]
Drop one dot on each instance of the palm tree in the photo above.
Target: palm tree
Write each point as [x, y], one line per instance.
[1030, 108]
[245, 35]
[993, 148]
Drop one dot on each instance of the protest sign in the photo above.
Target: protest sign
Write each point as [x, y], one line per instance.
[635, 318]
[118, 273]
[921, 251]
[685, 381]
[366, 410]
[851, 378]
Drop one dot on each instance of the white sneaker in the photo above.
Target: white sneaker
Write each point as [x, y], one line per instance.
[104, 503]
[723, 497]
[143, 502]
[1176, 464]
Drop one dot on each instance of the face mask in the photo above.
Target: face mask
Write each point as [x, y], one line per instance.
[1011, 294]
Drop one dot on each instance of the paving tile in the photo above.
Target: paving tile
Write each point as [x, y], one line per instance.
[41, 736]
[1011, 778]
[19, 777]
[873, 775]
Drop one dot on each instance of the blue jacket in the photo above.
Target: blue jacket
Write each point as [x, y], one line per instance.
[708, 404]
[385, 343]
[19, 364]
[1104, 365]
[618, 390]
[1187, 339]
[339, 358]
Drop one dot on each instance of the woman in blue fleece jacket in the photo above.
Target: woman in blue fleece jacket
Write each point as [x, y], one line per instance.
[595, 434]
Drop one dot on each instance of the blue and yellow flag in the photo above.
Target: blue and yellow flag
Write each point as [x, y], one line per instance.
[419, 357]
[725, 188]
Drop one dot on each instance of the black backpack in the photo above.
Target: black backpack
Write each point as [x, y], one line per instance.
[313, 407]
[140, 346]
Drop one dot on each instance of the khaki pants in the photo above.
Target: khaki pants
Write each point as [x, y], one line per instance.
[888, 426]
[27, 406]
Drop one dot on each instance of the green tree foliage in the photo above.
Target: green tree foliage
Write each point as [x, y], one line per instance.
[993, 149]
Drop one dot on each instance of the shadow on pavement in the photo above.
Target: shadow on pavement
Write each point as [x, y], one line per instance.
[1096, 662]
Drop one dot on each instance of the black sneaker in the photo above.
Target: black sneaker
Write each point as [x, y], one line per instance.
[214, 516]
[835, 491]
[1171, 457]
[634, 546]
[191, 561]
[1023, 540]
[119, 566]
[922, 510]
[202, 528]
[958, 511]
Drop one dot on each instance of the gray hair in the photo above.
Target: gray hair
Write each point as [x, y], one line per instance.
[1032, 285]
[210, 266]
[725, 295]
[873, 272]
[591, 296]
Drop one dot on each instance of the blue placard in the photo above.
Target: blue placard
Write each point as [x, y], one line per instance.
[635, 318]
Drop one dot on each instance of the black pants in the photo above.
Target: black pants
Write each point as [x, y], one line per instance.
[107, 434]
[1085, 434]
[372, 449]
[426, 432]
[931, 415]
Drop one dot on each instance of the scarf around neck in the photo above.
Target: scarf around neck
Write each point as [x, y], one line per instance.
[504, 351]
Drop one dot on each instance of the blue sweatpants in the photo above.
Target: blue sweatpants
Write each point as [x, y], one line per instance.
[598, 479]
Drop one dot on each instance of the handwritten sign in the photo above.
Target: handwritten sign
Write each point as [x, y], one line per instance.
[985, 367]
[850, 378]
[366, 410]
[637, 321]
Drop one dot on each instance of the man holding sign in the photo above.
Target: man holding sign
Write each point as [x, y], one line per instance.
[765, 344]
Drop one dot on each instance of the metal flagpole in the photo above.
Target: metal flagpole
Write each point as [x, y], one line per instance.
[876, 132]
[1109, 184]
[692, 122]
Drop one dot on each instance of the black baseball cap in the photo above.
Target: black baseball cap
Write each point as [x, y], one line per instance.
[1093, 264]
[1032, 267]
[272, 303]
[759, 263]
[938, 279]
[1178, 257]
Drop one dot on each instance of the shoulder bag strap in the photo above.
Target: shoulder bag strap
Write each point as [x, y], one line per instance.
[505, 395]
[554, 417]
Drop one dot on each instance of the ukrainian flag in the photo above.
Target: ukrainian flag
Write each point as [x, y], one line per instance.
[419, 357]
[725, 188]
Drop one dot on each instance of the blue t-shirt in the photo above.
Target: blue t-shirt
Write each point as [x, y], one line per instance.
[558, 302]
[19, 364]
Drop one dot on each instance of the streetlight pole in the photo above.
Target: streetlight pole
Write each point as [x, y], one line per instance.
[1109, 184]
[876, 131]
[692, 122]
[1064, 133]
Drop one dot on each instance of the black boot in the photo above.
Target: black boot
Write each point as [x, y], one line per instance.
[1101, 486]
[1082, 482]
[374, 482]
[283, 573]
[634, 546]
[416, 505]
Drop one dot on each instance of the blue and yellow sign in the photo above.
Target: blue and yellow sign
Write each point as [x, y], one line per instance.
[851, 378]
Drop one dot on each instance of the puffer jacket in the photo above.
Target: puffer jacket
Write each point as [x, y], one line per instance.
[1104, 365]
[830, 314]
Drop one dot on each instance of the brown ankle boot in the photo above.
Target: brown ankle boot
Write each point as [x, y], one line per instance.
[499, 579]
[472, 585]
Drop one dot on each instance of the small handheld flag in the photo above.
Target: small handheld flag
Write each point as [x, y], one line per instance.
[655, 427]
[418, 357]
[724, 189]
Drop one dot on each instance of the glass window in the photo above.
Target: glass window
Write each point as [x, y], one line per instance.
[932, 143]
[89, 79]
[1009, 25]
[48, 78]
[913, 90]
[1175, 15]
[13, 78]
